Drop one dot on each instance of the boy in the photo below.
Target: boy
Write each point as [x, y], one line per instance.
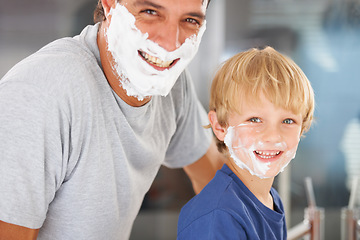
[260, 105]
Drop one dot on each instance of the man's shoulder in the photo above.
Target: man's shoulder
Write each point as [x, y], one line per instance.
[58, 63]
[64, 51]
[61, 72]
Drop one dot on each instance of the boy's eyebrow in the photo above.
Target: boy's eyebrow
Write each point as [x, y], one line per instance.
[150, 3]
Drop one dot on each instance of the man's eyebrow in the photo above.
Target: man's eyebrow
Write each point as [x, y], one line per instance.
[147, 3]
[199, 15]
[144, 3]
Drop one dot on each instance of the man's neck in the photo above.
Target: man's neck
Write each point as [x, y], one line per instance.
[112, 77]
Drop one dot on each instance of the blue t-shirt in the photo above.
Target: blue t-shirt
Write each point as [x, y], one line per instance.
[227, 209]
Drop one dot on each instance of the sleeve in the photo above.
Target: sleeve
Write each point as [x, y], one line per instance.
[216, 225]
[191, 140]
[32, 153]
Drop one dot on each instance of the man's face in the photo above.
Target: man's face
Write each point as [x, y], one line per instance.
[154, 40]
[263, 138]
[168, 22]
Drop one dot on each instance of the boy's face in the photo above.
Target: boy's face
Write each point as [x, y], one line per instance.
[263, 138]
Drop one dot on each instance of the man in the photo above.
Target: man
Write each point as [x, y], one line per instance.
[86, 122]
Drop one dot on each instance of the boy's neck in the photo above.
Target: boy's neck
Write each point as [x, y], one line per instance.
[259, 187]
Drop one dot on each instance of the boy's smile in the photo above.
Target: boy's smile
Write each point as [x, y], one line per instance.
[267, 156]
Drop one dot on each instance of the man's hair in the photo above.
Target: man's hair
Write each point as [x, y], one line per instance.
[99, 14]
[247, 75]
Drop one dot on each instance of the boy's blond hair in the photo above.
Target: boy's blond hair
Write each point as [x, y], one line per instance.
[248, 74]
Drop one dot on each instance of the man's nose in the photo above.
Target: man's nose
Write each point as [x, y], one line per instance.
[169, 36]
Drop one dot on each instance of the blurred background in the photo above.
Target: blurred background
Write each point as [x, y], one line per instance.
[322, 36]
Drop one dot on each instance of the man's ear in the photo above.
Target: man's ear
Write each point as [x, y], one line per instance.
[107, 5]
[218, 130]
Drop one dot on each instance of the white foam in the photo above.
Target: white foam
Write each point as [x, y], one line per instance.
[252, 164]
[137, 77]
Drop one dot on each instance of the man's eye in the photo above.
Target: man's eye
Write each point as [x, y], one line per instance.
[288, 121]
[149, 11]
[255, 120]
[192, 21]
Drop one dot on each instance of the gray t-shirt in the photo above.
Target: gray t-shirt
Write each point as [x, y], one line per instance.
[75, 160]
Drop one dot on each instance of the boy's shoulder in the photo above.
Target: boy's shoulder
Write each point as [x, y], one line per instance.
[227, 205]
[219, 208]
[219, 194]
[226, 193]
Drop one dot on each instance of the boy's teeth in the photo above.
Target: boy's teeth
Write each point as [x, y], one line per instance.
[156, 61]
[267, 154]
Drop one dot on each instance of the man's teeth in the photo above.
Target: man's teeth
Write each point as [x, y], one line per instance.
[267, 154]
[156, 61]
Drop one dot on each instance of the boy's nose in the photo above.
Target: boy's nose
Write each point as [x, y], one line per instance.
[271, 134]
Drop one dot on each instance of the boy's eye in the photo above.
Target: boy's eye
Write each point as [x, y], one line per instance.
[255, 120]
[288, 121]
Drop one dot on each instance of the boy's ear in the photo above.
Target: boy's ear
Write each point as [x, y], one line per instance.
[107, 5]
[218, 130]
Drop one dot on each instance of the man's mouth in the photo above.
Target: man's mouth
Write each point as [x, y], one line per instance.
[156, 61]
[267, 155]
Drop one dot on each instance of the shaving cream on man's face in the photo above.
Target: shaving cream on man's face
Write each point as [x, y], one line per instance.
[127, 43]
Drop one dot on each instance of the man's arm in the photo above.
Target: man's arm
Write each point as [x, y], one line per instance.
[14, 232]
[204, 169]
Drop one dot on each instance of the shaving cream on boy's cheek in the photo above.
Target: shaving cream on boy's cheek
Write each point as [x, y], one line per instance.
[243, 149]
[137, 76]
